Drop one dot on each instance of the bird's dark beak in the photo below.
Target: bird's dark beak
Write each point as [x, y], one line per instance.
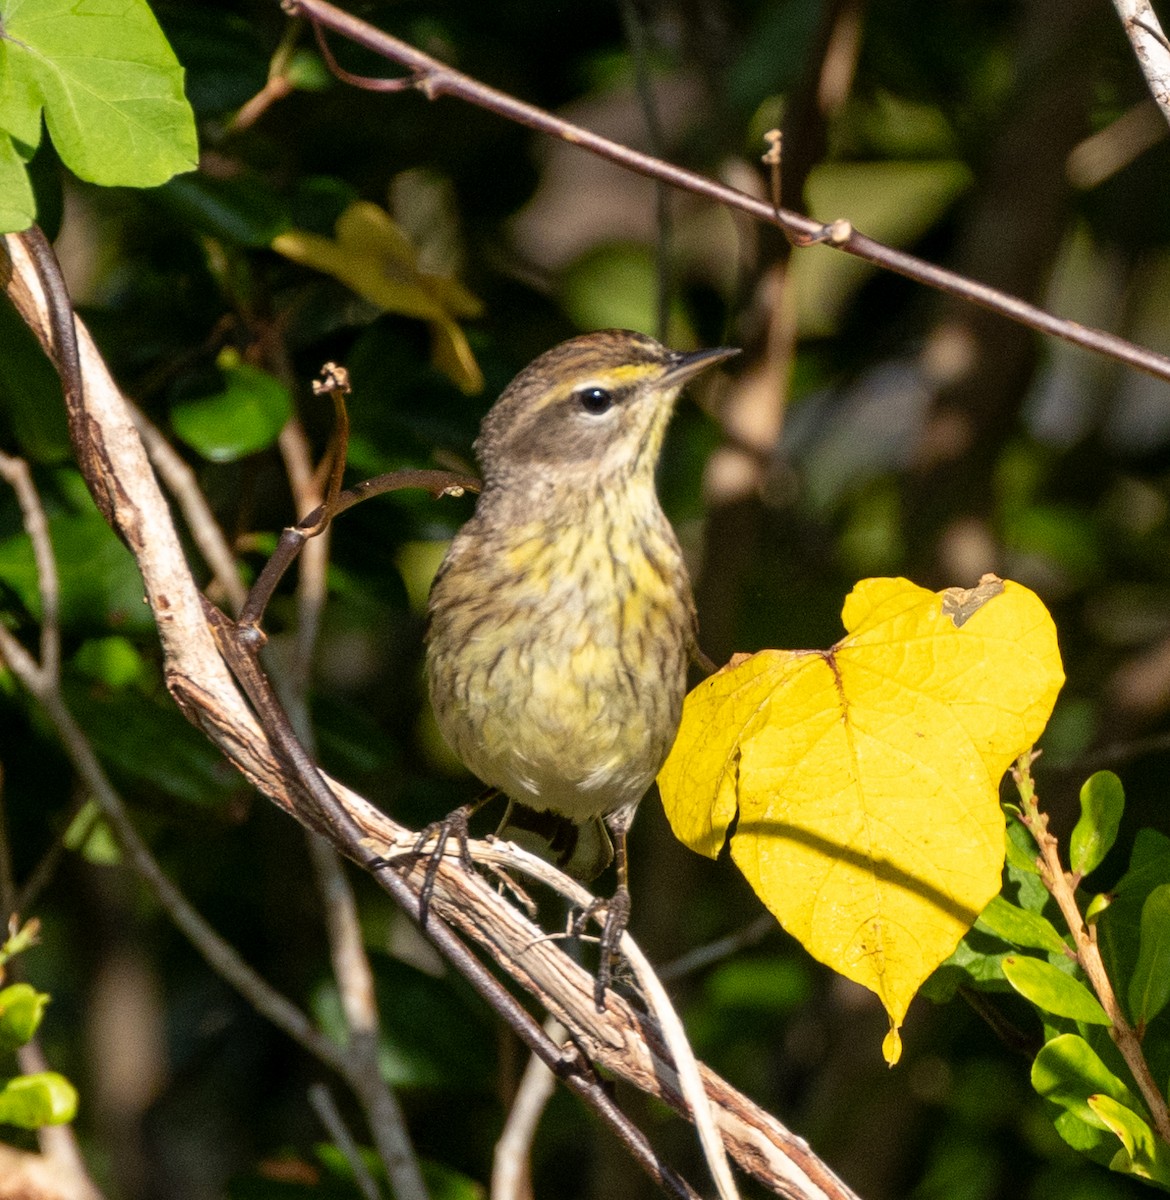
[685, 366]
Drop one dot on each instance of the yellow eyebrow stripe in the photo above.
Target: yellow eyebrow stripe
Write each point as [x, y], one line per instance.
[619, 376]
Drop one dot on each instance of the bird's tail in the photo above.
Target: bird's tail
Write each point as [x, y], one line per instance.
[583, 851]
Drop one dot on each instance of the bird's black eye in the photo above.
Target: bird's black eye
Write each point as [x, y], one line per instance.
[595, 400]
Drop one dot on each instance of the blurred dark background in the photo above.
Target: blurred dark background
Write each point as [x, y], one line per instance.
[871, 427]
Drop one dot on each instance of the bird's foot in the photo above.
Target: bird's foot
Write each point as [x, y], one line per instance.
[617, 917]
[453, 825]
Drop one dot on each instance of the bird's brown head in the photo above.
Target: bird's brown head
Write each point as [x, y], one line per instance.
[591, 408]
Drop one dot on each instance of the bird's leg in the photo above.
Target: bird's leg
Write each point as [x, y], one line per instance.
[453, 825]
[617, 907]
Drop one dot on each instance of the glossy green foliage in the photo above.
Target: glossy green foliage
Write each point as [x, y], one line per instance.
[110, 90]
[1102, 803]
[30, 1101]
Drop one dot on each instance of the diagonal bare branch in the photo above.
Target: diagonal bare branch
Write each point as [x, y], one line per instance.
[434, 79]
[621, 1039]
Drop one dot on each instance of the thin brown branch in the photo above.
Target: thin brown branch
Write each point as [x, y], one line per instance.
[351, 967]
[311, 575]
[434, 79]
[16, 473]
[293, 539]
[276, 87]
[327, 1112]
[1062, 885]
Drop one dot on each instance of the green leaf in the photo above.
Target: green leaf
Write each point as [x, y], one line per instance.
[114, 662]
[1067, 1071]
[18, 206]
[1021, 848]
[1143, 1153]
[20, 106]
[1102, 803]
[242, 209]
[1049, 988]
[1020, 927]
[31, 1101]
[245, 417]
[773, 984]
[100, 585]
[307, 71]
[1119, 926]
[1091, 1140]
[373, 256]
[977, 961]
[21, 1010]
[110, 86]
[1149, 986]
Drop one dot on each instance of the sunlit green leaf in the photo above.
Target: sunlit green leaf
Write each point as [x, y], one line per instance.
[31, 1101]
[1102, 803]
[18, 206]
[1020, 927]
[111, 89]
[1144, 1154]
[1096, 906]
[1051, 989]
[21, 1010]
[1068, 1071]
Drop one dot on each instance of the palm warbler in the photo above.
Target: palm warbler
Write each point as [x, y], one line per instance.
[560, 623]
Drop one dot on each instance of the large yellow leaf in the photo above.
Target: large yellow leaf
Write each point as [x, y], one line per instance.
[866, 777]
[374, 257]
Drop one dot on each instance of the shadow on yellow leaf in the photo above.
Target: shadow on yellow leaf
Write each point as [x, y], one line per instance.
[865, 778]
[375, 258]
